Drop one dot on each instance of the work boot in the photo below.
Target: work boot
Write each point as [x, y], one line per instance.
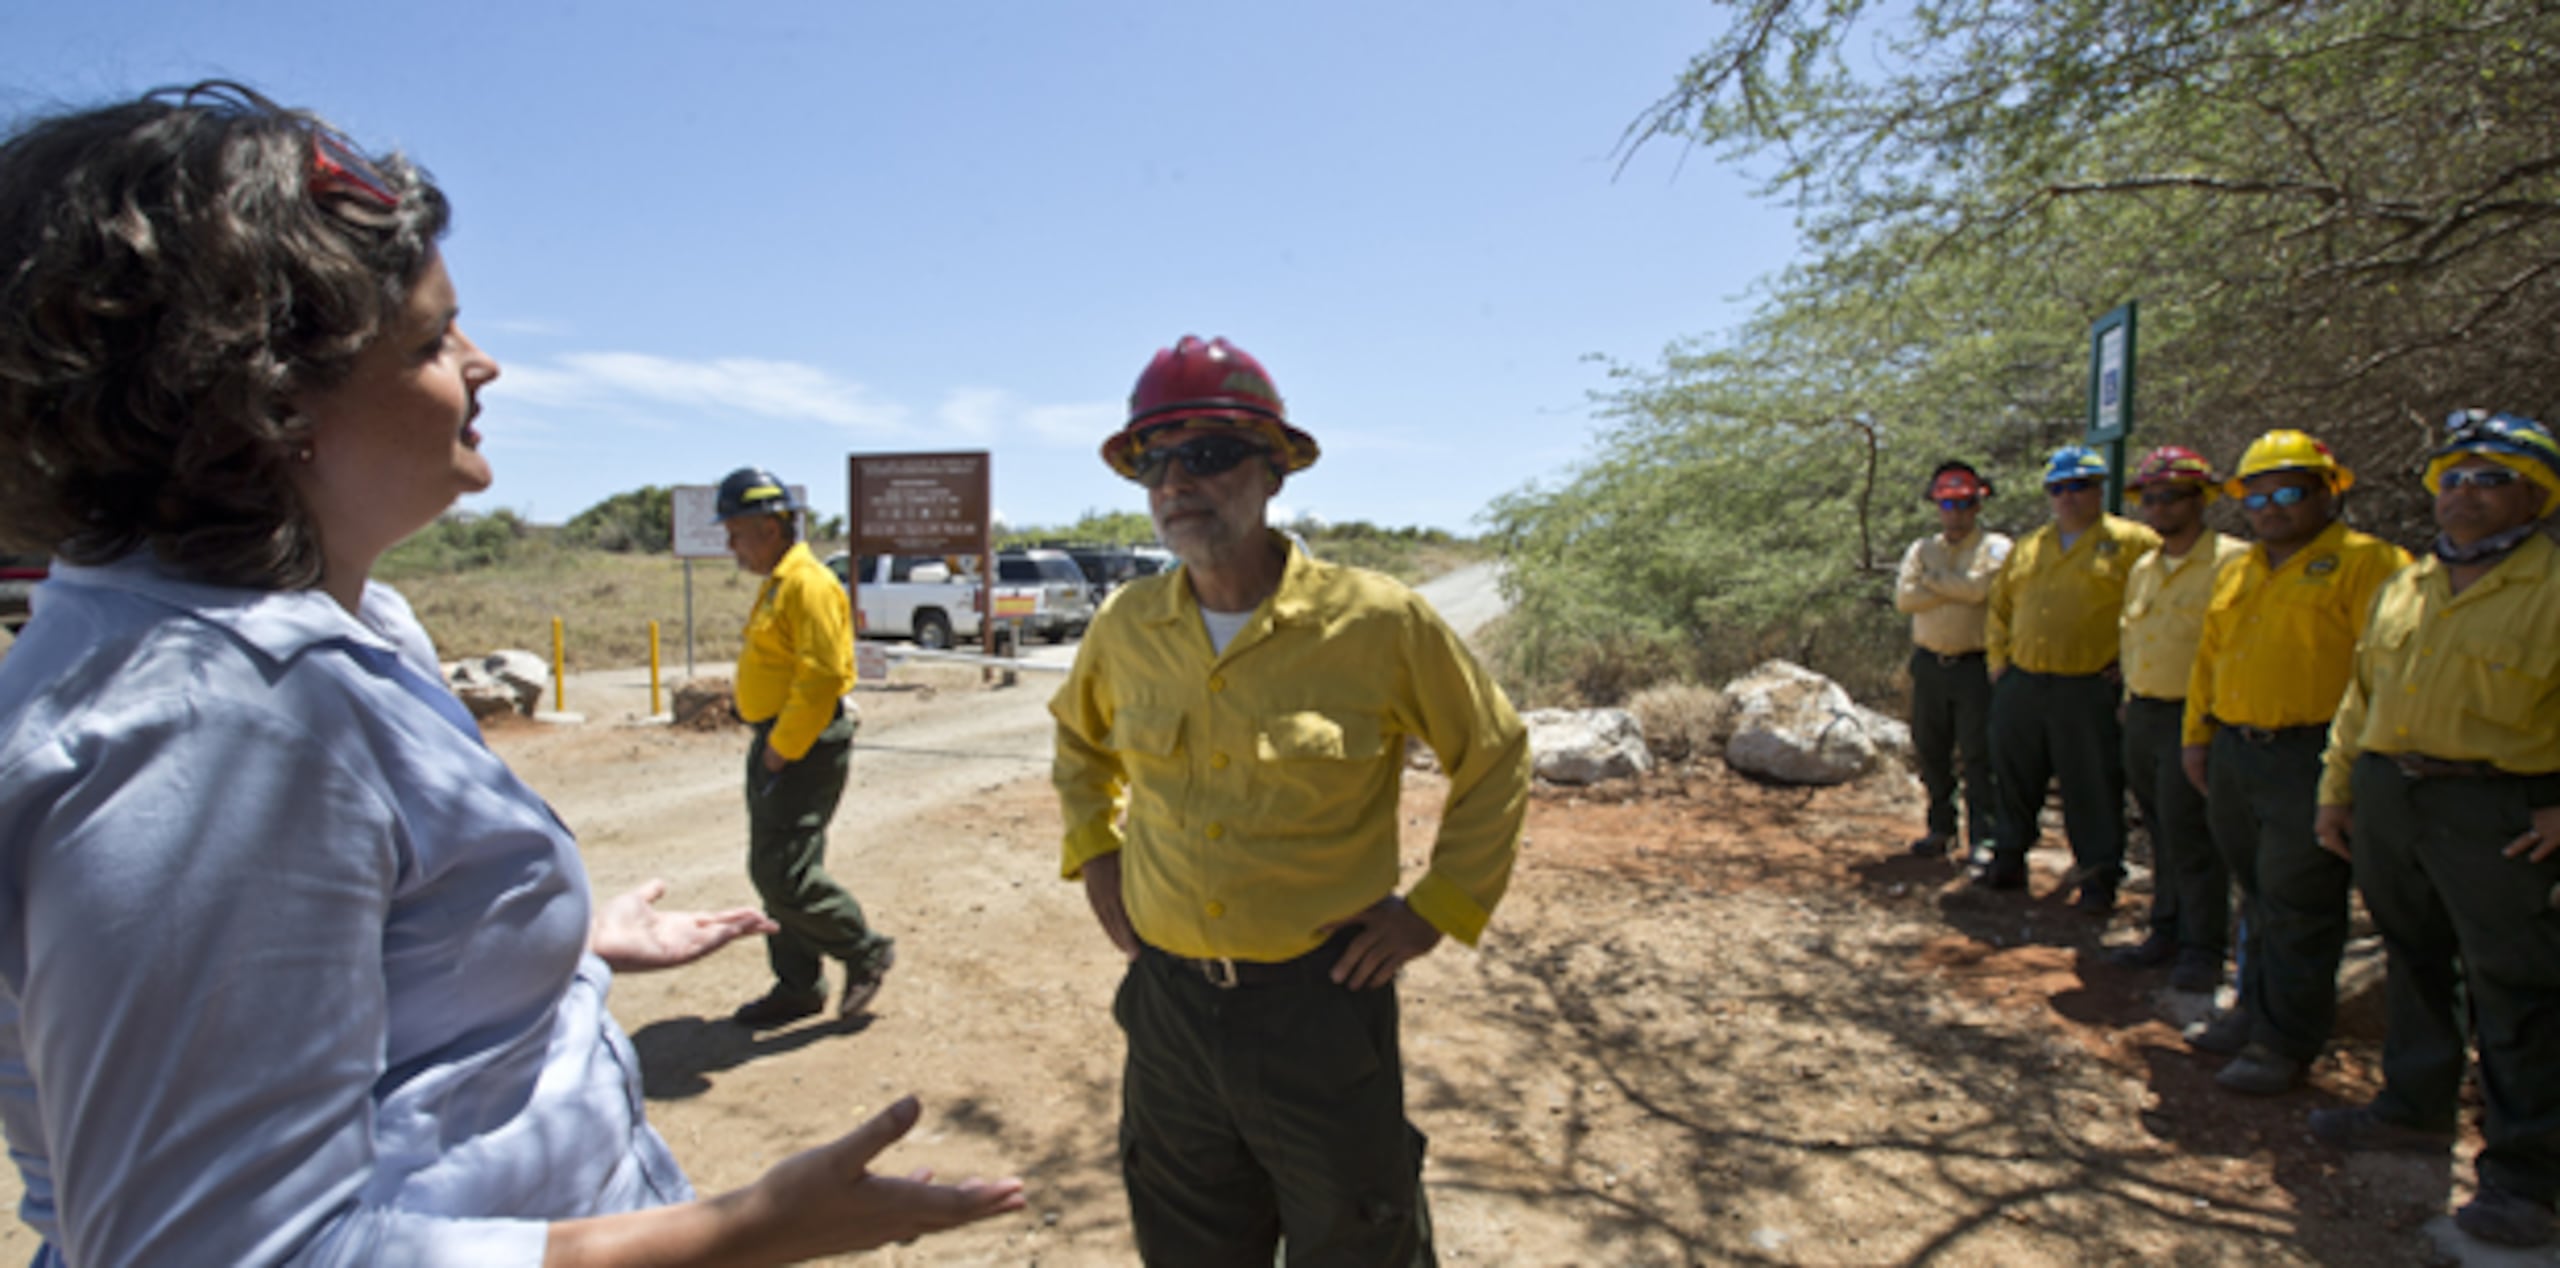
[2198, 973]
[860, 987]
[2223, 1036]
[2001, 873]
[780, 1006]
[1932, 846]
[2097, 898]
[2260, 1071]
[2359, 1129]
[2508, 1219]
[2156, 949]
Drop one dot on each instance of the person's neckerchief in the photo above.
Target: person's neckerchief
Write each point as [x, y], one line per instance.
[2487, 549]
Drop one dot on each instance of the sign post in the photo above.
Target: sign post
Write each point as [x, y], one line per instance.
[923, 504]
[698, 535]
[2111, 342]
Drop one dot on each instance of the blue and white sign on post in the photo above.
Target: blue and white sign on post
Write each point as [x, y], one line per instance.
[2111, 342]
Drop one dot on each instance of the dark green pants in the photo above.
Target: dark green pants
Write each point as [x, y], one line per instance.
[787, 815]
[2054, 726]
[2294, 922]
[1951, 717]
[1266, 1116]
[2428, 862]
[2190, 888]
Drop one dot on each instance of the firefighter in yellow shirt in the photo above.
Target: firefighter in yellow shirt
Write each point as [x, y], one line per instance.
[2051, 643]
[1230, 746]
[2164, 605]
[794, 666]
[2269, 669]
[2442, 782]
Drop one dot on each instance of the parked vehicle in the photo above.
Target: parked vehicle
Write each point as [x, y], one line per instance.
[1062, 597]
[911, 596]
[18, 577]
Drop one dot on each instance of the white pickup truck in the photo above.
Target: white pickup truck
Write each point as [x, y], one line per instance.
[911, 596]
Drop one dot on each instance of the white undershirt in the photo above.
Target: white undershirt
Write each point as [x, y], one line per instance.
[1223, 627]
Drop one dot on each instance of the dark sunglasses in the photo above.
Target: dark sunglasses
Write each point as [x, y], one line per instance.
[1958, 504]
[2168, 497]
[1199, 456]
[2080, 484]
[2477, 478]
[2287, 496]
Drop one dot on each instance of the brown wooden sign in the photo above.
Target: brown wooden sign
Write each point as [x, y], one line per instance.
[919, 503]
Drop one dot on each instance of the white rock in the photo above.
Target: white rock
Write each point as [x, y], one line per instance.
[1586, 746]
[1796, 726]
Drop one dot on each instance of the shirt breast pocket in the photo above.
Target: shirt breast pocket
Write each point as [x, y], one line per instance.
[1316, 764]
[1145, 733]
[2507, 680]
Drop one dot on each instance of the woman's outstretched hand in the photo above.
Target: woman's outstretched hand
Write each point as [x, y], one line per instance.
[633, 936]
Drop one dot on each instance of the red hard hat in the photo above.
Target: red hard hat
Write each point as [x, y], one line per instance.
[2171, 463]
[1194, 383]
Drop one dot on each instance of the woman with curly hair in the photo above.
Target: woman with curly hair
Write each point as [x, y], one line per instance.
[292, 968]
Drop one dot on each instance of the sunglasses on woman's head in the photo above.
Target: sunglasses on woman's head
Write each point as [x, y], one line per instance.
[1200, 456]
[2286, 496]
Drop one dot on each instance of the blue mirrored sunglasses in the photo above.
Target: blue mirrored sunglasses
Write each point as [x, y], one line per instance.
[2289, 495]
[2477, 478]
[1958, 504]
[1200, 456]
[2077, 484]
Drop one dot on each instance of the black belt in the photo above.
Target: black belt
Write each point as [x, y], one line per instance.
[2421, 766]
[1951, 658]
[2263, 736]
[2139, 698]
[1227, 974]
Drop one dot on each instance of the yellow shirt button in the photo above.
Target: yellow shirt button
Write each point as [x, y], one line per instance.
[1217, 761]
[1217, 683]
[1215, 909]
[1216, 831]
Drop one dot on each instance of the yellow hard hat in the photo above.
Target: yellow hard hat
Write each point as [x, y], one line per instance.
[2285, 449]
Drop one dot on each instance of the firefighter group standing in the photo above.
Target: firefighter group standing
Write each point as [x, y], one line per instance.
[2294, 716]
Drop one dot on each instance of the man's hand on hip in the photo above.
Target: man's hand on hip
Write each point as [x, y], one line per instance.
[774, 762]
[1390, 937]
[1102, 889]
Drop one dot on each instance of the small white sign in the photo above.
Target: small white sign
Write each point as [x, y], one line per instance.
[2110, 383]
[698, 534]
[870, 662]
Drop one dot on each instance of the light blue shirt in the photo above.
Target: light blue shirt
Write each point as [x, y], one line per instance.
[292, 968]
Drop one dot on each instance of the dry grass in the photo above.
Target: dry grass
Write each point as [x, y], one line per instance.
[605, 602]
[1682, 720]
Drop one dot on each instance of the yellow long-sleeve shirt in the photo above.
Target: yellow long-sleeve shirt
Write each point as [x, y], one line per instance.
[2469, 677]
[2278, 641]
[1261, 784]
[797, 658]
[2054, 611]
[2164, 602]
[1946, 587]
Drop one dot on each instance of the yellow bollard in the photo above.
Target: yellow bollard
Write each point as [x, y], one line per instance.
[559, 670]
[653, 669]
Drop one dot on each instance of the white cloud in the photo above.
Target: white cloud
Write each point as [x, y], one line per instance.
[528, 327]
[731, 385]
[990, 413]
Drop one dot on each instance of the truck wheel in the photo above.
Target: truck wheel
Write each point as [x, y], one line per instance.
[933, 630]
[1054, 635]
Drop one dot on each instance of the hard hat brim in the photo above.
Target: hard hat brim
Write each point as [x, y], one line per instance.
[1297, 449]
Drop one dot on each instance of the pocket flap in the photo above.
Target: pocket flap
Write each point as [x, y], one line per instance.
[1153, 732]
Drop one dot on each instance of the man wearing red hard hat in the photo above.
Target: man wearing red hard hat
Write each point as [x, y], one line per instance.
[2164, 601]
[1945, 585]
[1230, 747]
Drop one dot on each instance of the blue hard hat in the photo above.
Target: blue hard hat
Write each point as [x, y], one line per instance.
[2074, 462]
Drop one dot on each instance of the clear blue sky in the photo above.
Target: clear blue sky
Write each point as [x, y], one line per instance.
[699, 236]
